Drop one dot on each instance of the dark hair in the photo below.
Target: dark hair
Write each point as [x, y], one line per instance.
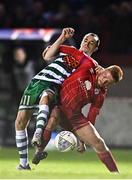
[97, 38]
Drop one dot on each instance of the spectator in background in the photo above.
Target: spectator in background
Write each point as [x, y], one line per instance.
[5, 21]
[15, 73]
[110, 19]
[63, 16]
[88, 22]
[120, 17]
[23, 69]
[19, 17]
[36, 17]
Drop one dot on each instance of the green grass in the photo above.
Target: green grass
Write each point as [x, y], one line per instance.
[65, 165]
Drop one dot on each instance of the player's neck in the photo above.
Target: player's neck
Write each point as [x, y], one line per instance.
[89, 52]
[86, 52]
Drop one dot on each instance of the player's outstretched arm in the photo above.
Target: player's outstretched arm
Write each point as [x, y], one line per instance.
[51, 51]
[96, 106]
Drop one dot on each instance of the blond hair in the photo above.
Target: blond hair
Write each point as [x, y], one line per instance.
[116, 72]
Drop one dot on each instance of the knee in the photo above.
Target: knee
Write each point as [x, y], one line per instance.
[46, 98]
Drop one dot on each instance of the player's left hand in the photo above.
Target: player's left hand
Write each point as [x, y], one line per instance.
[99, 69]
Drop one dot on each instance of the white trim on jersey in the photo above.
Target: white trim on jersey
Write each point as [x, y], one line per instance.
[28, 99]
[57, 67]
[47, 79]
[51, 73]
[21, 107]
[57, 76]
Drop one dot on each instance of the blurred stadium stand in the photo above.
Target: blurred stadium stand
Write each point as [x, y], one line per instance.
[34, 24]
[30, 39]
[114, 122]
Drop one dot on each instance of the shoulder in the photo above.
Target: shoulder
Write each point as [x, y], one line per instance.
[89, 60]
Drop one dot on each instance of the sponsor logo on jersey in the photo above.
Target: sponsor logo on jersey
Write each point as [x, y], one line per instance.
[85, 86]
[70, 62]
[88, 85]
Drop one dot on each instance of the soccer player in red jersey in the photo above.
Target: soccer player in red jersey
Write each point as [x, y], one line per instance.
[76, 92]
[85, 86]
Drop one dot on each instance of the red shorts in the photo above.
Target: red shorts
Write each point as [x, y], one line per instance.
[73, 123]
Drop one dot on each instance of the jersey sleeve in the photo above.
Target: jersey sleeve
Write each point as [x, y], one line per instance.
[93, 112]
[70, 50]
[95, 107]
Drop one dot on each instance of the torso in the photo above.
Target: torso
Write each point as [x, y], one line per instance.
[78, 90]
[58, 70]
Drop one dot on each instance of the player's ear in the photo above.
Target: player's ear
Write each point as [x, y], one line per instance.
[96, 49]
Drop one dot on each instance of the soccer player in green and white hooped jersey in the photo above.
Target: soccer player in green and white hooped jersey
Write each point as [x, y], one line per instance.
[39, 93]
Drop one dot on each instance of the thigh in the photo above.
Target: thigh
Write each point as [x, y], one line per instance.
[78, 121]
[88, 134]
[34, 94]
[65, 123]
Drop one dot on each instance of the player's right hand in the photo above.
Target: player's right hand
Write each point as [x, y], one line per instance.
[67, 33]
[81, 148]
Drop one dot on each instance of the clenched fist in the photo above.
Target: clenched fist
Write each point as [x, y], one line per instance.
[67, 33]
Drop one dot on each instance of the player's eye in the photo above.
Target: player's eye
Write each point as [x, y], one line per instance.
[91, 42]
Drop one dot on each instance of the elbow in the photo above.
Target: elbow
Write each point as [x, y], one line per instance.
[43, 55]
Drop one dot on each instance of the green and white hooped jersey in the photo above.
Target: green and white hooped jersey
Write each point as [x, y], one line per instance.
[48, 79]
[55, 72]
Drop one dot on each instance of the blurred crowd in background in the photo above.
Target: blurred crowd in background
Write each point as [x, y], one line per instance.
[21, 60]
[111, 20]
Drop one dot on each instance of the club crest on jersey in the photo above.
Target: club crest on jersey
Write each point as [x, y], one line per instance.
[88, 85]
[96, 91]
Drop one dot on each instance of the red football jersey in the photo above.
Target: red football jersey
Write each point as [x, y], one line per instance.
[79, 89]
[79, 56]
